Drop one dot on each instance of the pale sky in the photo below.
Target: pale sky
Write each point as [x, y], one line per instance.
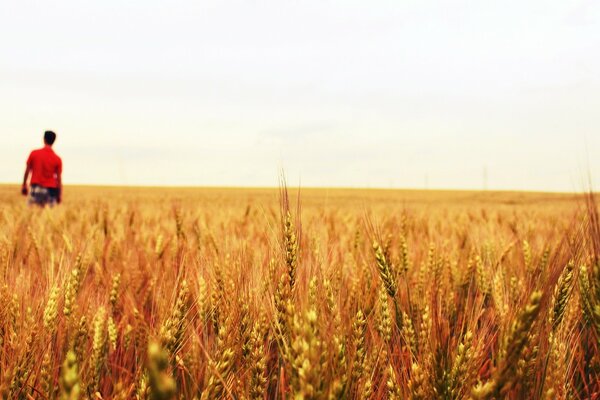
[374, 93]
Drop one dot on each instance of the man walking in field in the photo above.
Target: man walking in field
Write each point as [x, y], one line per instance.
[45, 168]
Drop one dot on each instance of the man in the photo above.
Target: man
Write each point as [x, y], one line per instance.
[45, 168]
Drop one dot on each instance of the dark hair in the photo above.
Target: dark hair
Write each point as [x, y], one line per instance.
[49, 137]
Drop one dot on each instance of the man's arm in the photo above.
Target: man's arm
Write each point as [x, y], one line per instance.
[27, 172]
[59, 181]
[25, 177]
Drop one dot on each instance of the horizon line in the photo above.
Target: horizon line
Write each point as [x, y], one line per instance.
[316, 187]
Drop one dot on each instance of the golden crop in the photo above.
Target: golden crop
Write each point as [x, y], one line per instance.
[334, 294]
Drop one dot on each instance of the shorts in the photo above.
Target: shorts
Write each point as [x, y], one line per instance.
[43, 196]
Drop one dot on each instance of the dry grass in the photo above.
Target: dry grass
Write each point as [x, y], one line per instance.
[240, 293]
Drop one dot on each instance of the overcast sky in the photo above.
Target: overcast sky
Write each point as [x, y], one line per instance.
[337, 93]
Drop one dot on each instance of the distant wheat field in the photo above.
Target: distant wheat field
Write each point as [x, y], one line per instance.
[214, 293]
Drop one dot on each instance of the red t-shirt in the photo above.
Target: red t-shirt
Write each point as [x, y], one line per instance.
[45, 167]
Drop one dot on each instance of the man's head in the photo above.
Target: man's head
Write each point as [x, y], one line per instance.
[49, 137]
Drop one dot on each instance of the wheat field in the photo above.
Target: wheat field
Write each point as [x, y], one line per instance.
[154, 293]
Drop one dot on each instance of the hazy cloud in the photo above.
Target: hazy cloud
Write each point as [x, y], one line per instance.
[351, 93]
